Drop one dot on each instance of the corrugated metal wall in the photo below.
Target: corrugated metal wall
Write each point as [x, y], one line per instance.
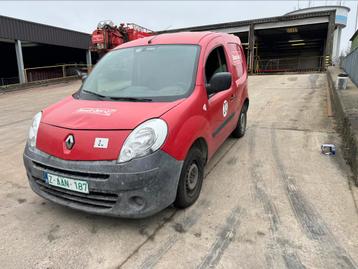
[12, 29]
[350, 64]
[355, 43]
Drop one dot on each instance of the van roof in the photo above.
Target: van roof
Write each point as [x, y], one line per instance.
[171, 38]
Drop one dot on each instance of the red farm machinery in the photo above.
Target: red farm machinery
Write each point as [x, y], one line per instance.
[108, 36]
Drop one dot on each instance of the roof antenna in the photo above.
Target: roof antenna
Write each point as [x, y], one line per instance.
[150, 40]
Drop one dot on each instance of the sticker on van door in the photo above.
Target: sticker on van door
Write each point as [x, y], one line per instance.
[225, 108]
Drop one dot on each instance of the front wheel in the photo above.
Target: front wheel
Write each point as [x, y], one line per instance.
[191, 179]
[241, 124]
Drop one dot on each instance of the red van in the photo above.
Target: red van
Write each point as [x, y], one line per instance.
[136, 136]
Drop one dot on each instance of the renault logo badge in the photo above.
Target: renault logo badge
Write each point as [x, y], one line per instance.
[70, 142]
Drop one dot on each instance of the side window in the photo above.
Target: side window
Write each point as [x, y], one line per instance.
[215, 63]
[243, 59]
[236, 58]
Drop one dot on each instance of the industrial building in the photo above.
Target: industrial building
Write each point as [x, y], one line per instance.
[26, 46]
[354, 40]
[300, 41]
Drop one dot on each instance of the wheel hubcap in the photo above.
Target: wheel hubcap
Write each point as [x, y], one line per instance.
[192, 177]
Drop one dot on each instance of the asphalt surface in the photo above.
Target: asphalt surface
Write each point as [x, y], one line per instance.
[269, 200]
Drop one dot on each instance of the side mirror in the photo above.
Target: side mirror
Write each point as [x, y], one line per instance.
[81, 75]
[219, 82]
[84, 77]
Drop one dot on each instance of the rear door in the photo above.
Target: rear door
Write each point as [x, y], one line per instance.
[221, 112]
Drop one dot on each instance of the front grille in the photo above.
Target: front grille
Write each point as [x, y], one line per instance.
[70, 173]
[99, 200]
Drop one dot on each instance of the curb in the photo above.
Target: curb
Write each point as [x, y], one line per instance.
[347, 121]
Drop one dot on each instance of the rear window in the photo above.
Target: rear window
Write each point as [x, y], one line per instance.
[236, 58]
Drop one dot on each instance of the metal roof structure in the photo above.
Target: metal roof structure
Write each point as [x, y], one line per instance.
[251, 29]
[15, 29]
[235, 24]
[316, 8]
[170, 38]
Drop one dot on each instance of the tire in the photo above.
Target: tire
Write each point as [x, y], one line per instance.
[191, 179]
[241, 124]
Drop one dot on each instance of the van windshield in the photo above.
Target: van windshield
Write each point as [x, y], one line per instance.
[145, 73]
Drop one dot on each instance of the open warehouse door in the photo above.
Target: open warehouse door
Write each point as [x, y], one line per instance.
[290, 49]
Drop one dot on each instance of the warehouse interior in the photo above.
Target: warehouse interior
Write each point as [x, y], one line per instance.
[298, 48]
[8, 68]
[55, 57]
[37, 55]
[47, 55]
[31, 51]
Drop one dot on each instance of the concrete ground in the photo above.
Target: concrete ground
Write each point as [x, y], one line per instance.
[269, 200]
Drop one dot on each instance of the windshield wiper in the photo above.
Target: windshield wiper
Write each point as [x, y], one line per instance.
[94, 93]
[130, 99]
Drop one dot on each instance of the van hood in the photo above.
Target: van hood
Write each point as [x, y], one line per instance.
[77, 114]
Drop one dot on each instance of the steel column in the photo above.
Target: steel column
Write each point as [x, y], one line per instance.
[338, 45]
[251, 48]
[89, 60]
[329, 39]
[20, 61]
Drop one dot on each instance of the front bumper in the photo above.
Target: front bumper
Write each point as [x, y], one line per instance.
[136, 189]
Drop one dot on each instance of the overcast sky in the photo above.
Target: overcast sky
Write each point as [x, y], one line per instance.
[159, 15]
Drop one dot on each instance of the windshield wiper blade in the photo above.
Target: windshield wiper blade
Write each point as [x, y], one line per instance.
[130, 99]
[94, 93]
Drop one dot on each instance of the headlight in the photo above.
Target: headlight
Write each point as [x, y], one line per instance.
[33, 130]
[145, 139]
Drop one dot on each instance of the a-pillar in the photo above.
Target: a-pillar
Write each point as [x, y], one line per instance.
[20, 62]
